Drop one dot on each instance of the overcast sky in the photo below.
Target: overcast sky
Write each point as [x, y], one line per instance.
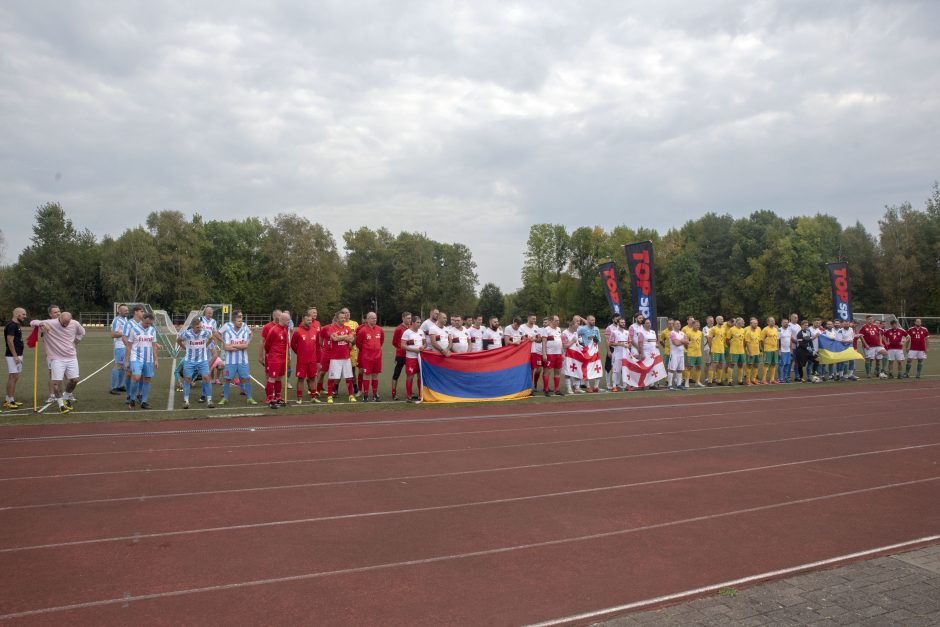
[469, 121]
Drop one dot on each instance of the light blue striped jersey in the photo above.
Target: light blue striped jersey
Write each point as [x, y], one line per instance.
[209, 323]
[231, 335]
[131, 325]
[142, 341]
[196, 345]
[118, 325]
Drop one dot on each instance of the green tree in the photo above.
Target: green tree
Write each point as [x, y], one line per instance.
[60, 265]
[302, 267]
[231, 259]
[369, 268]
[414, 271]
[491, 303]
[129, 266]
[180, 281]
[545, 257]
[456, 278]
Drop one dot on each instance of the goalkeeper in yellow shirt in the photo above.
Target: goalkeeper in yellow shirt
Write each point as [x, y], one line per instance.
[738, 358]
[771, 341]
[752, 339]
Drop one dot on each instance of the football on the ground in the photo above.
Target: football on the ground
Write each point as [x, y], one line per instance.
[882, 375]
[816, 379]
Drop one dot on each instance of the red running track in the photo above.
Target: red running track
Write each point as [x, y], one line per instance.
[509, 515]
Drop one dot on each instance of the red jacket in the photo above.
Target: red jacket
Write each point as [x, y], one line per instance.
[369, 341]
[275, 343]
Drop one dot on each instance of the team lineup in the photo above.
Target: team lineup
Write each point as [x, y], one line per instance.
[321, 357]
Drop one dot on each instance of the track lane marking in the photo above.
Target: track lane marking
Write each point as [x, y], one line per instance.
[472, 554]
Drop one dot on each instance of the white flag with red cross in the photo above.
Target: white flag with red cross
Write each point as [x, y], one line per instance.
[639, 374]
[583, 362]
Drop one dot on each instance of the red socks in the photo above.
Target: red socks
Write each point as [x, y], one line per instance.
[349, 386]
[277, 389]
[375, 387]
[408, 388]
[268, 391]
[557, 382]
[330, 386]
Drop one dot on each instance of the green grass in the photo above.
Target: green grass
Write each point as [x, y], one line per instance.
[96, 405]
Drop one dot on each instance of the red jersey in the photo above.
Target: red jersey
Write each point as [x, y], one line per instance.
[396, 340]
[918, 337]
[340, 350]
[275, 343]
[894, 338]
[326, 343]
[266, 328]
[305, 343]
[871, 334]
[369, 341]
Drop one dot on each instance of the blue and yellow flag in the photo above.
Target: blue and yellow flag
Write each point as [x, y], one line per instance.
[833, 351]
[497, 375]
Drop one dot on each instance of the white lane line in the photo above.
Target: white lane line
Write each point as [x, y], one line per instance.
[578, 425]
[466, 449]
[457, 473]
[772, 574]
[481, 553]
[171, 395]
[541, 413]
[80, 381]
[436, 508]
[141, 498]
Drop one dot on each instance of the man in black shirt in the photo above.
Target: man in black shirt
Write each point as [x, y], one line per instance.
[805, 355]
[13, 338]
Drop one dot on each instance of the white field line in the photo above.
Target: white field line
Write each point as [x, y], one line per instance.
[171, 396]
[126, 599]
[80, 381]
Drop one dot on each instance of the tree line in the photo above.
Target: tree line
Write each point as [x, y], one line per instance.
[760, 264]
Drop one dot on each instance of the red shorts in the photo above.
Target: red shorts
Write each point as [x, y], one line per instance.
[535, 360]
[553, 362]
[370, 366]
[325, 363]
[412, 366]
[275, 369]
[307, 370]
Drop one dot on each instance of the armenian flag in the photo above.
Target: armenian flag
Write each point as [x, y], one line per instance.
[496, 375]
[833, 351]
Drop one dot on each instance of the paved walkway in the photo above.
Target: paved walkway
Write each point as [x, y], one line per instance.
[902, 589]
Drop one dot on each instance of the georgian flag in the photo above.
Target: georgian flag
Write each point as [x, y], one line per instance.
[643, 373]
[583, 362]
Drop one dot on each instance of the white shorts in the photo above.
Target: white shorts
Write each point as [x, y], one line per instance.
[64, 369]
[874, 352]
[340, 369]
[910, 355]
[676, 361]
[895, 354]
[13, 367]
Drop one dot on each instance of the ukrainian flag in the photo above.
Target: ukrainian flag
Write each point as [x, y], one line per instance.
[833, 351]
[496, 375]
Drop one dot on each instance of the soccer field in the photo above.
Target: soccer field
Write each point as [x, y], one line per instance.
[94, 403]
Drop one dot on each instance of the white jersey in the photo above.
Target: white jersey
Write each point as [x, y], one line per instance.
[459, 340]
[706, 344]
[492, 338]
[636, 334]
[650, 343]
[847, 336]
[426, 331]
[514, 335]
[117, 326]
[531, 333]
[786, 336]
[476, 339]
[678, 336]
[618, 335]
[435, 335]
[240, 337]
[551, 338]
[412, 338]
[567, 337]
[143, 342]
[816, 333]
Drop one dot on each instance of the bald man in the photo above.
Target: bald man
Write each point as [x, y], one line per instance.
[61, 335]
[13, 338]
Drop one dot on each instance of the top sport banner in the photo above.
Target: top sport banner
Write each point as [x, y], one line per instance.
[501, 374]
[610, 283]
[640, 262]
[841, 295]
